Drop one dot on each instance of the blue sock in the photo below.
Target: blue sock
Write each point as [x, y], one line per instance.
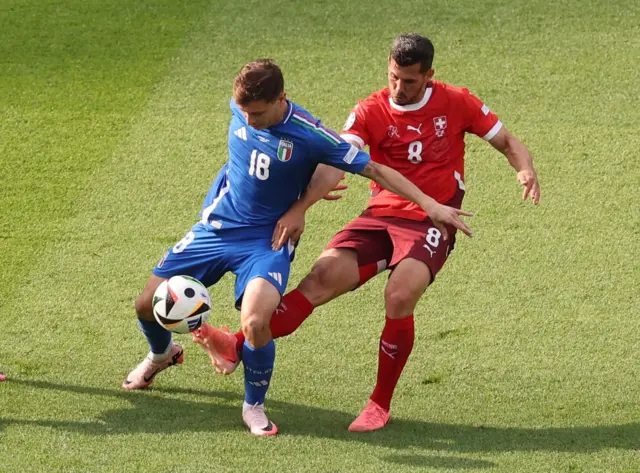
[258, 367]
[157, 336]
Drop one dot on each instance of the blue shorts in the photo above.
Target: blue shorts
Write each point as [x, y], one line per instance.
[208, 254]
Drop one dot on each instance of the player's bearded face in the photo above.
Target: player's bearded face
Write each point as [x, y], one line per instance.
[261, 114]
[407, 84]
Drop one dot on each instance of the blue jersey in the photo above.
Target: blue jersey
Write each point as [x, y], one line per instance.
[269, 169]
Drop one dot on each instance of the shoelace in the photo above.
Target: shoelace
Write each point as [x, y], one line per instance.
[256, 414]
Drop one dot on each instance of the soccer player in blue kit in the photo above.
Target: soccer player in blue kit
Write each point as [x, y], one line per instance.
[280, 158]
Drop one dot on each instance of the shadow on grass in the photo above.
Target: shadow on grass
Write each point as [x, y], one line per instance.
[438, 462]
[159, 411]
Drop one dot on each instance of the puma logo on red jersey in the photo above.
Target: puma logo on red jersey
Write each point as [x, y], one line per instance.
[413, 128]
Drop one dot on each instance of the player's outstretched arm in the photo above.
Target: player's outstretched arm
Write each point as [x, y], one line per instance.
[521, 160]
[325, 179]
[291, 224]
[395, 182]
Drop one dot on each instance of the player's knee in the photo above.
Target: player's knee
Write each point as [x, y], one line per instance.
[318, 278]
[399, 300]
[335, 273]
[255, 328]
[319, 285]
[144, 309]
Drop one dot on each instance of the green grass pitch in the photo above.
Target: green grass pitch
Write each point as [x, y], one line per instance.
[113, 119]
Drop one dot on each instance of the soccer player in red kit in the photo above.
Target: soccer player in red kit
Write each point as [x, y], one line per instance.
[416, 125]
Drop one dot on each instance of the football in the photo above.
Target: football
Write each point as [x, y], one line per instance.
[181, 304]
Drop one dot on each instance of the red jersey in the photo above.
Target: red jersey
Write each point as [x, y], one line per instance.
[422, 141]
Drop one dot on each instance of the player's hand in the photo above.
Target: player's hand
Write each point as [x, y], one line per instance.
[338, 187]
[443, 216]
[529, 179]
[290, 226]
[330, 196]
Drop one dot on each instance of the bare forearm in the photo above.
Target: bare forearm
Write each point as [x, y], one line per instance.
[518, 155]
[521, 160]
[324, 179]
[395, 182]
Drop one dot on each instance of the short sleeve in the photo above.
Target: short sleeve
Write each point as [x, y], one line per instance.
[329, 148]
[481, 121]
[355, 128]
[341, 155]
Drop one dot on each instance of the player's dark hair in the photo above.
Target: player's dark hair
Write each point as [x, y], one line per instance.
[258, 80]
[412, 48]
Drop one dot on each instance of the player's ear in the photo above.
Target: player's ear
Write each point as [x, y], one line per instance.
[430, 73]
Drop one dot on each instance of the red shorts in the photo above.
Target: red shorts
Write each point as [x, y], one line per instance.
[388, 240]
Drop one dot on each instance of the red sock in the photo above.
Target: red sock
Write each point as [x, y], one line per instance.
[292, 311]
[396, 343]
[367, 272]
[370, 270]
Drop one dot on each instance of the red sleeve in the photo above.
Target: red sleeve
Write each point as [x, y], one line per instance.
[355, 128]
[481, 121]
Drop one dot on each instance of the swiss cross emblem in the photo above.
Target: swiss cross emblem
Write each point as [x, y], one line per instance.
[440, 124]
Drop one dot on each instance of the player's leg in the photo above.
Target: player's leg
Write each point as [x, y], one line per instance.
[408, 281]
[354, 255]
[163, 353]
[406, 285]
[261, 278]
[333, 274]
[338, 270]
[421, 255]
[159, 338]
[196, 255]
[2, 377]
[258, 352]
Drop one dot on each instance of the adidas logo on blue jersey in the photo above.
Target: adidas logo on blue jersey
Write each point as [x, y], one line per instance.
[277, 277]
[241, 133]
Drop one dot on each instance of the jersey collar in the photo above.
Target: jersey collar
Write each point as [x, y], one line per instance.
[288, 114]
[414, 106]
